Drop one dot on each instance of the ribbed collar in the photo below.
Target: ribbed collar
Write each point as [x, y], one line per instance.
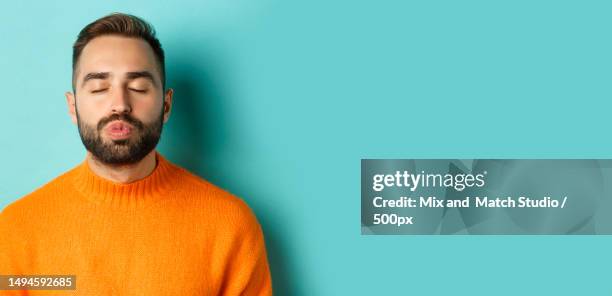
[147, 190]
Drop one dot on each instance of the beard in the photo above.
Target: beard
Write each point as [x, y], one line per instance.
[128, 151]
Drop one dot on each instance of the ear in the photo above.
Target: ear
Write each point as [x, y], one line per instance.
[70, 100]
[168, 103]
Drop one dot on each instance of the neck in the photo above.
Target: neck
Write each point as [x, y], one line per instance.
[123, 173]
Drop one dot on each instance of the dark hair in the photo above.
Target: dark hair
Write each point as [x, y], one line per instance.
[119, 24]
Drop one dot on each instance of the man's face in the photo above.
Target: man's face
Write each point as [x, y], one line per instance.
[119, 104]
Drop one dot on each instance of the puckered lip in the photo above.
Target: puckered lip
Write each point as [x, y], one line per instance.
[119, 129]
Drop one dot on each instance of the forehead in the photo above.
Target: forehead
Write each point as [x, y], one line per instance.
[116, 54]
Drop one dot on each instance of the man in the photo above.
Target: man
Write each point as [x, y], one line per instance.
[126, 221]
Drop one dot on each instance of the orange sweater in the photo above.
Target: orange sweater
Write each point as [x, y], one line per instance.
[171, 233]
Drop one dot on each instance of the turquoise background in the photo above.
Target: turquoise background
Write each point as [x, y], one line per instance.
[278, 101]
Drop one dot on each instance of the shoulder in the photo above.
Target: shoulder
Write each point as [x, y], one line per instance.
[36, 202]
[217, 202]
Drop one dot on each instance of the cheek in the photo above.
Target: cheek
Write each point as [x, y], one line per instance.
[88, 113]
[148, 110]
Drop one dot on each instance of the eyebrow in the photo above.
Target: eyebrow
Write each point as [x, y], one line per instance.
[94, 75]
[130, 75]
[141, 74]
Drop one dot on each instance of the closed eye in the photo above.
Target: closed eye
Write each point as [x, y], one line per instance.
[138, 90]
[98, 90]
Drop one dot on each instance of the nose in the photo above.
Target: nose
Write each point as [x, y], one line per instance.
[121, 102]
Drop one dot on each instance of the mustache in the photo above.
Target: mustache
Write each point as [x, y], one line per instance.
[125, 117]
